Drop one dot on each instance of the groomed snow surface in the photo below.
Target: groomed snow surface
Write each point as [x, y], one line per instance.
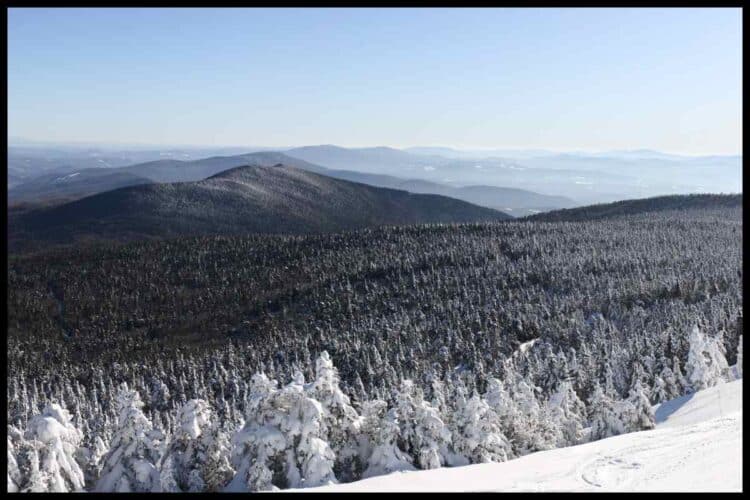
[696, 446]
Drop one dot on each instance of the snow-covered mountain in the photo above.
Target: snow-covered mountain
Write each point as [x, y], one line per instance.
[696, 446]
[245, 200]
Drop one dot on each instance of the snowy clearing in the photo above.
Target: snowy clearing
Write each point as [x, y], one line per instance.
[66, 177]
[697, 446]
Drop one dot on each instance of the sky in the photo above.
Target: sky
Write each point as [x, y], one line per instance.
[557, 79]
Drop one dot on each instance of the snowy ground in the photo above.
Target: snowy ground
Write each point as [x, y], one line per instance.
[697, 446]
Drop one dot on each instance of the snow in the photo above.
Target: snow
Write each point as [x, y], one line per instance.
[696, 446]
[706, 363]
[527, 345]
[47, 429]
[56, 439]
[715, 402]
[66, 177]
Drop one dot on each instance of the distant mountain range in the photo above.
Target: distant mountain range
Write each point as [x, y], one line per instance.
[56, 187]
[623, 154]
[516, 202]
[85, 182]
[28, 160]
[478, 153]
[582, 176]
[571, 178]
[248, 199]
[633, 207]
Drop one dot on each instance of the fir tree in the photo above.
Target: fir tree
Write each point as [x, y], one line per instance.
[15, 479]
[340, 419]
[706, 364]
[478, 436]
[189, 460]
[605, 416]
[739, 358]
[641, 417]
[567, 411]
[131, 463]
[58, 440]
[382, 431]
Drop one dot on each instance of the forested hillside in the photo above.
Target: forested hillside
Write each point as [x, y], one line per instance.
[242, 200]
[645, 205]
[601, 310]
[59, 186]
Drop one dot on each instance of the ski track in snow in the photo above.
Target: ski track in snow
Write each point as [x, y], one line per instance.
[659, 456]
[696, 446]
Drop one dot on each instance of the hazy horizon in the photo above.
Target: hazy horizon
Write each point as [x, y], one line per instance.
[30, 142]
[560, 80]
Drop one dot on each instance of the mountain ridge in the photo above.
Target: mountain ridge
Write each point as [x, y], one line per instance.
[242, 200]
[639, 206]
[91, 181]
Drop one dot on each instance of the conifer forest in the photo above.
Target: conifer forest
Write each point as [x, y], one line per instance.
[263, 362]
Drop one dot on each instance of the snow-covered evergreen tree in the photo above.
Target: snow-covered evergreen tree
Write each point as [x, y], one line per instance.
[477, 433]
[706, 364]
[380, 426]
[432, 437]
[15, 479]
[681, 383]
[90, 457]
[497, 396]
[131, 463]
[259, 447]
[641, 415]
[672, 388]
[739, 358]
[59, 440]
[524, 419]
[305, 431]
[405, 406]
[159, 397]
[438, 400]
[513, 426]
[659, 392]
[284, 432]
[567, 412]
[372, 412]
[217, 468]
[32, 478]
[188, 460]
[340, 419]
[605, 416]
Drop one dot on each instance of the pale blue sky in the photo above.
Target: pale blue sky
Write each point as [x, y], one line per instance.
[569, 79]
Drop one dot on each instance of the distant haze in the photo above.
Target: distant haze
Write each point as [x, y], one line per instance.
[544, 79]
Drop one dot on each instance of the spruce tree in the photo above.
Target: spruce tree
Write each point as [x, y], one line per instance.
[59, 440]
[706, 364]
[131, 463]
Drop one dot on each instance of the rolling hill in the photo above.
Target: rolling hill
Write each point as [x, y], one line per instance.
[63, 187]
[516, 202]
[85, 182]
[645, 205]
[29, 160]
[57, 187]
[585, 177]
[248, 199]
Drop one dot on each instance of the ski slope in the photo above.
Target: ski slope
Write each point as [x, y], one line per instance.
[696, 446]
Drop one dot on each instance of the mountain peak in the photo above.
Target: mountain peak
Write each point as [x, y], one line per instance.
[242, 200]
